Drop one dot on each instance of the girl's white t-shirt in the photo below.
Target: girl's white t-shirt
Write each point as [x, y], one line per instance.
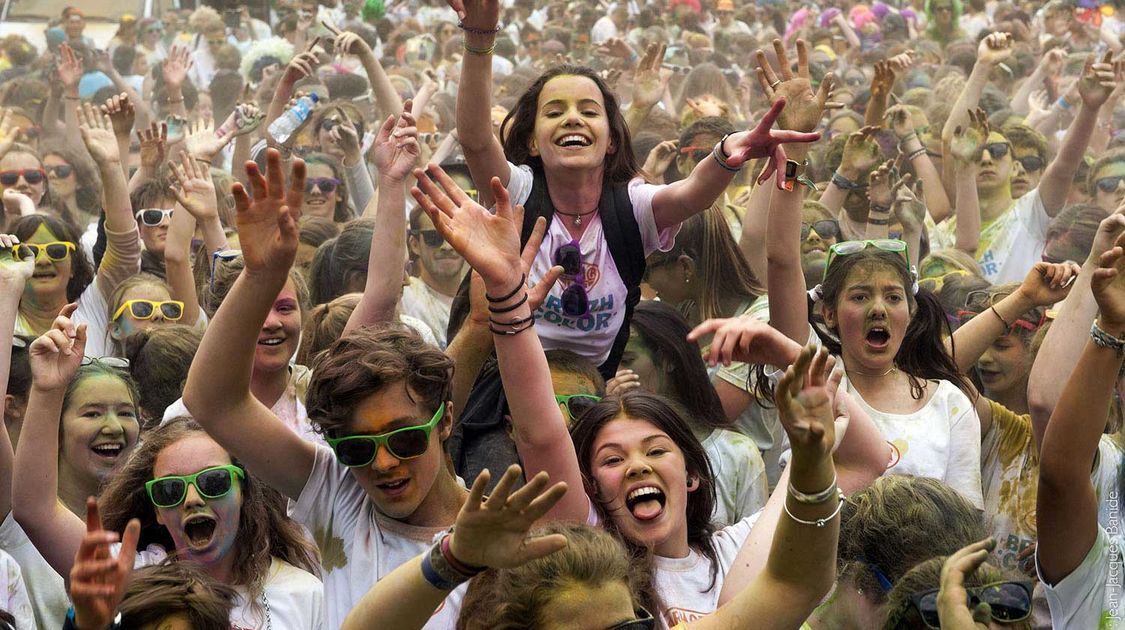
[44, 585]
[295, 597]
[941, 440]
[740, 476]
[13, 593]
[592, 335]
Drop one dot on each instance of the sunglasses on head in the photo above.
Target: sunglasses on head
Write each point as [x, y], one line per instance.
[324, 184]
[1009, 601]
[1109, 184]
[116, 363]
[935, 284]
[575, 301]
[59, 170]
[225, 255]
[210, 483]
[355, 451]
[577, 404]
[55, 250]
[965, 315]
[643, 621]
[997, 150]
[847, 248]
[826, 228]
[1031, 163]
[29, 175]
[153, 217]
[432, 238]
[171, 310]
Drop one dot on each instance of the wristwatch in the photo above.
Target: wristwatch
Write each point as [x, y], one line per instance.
[795, 174]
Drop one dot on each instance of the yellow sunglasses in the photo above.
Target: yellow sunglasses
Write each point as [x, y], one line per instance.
[55, 250]
[171, 310]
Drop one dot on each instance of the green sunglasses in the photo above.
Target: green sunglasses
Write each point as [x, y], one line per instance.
[355, 451]
[577, 404]
[210, 483]
[847, 248]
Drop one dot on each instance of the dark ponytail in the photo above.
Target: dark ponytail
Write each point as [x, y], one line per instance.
[923, 355]
[321, 278]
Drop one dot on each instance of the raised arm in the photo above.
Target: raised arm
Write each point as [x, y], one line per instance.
[490, 244]
[490, 533]
[802, 559]
[54, 530]
[649, 84]
[1058, 353]
[121, 114]
[196, 204]
[752, 241]
[123, 245]
[1095, 86]
[1066, 507]
[218, 385]
[965, 151]
[386, 97]
[396, 150]
[861, 154]
[992, 50]
[69, 74]
[154, 148]
[14, 275]
[300, 66]
[175, 69]
[912, 150]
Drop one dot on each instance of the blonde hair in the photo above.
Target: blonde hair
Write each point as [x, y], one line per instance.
[325, 324]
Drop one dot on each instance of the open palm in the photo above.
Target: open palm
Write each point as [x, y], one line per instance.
[804, 106]
[267, 224]
[97, 134]
[490, 243]
[803, 403]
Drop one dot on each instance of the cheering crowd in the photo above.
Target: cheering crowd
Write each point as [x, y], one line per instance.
[680, 314]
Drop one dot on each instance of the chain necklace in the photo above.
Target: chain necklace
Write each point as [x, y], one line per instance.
[893, 368]
[266, 605]
[577, 215]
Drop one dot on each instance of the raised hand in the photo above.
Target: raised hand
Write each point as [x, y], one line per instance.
[536, 292]
[57, 354]
[968, 142]
[901, 122]
[203, 143]
[69, 67]
[176, 66]
[154, 145]
[8, 131]
[908, 209]
[994, 49]
[1049, 283]
[98, 135]
[14, 272]
[803, 404]
[102, 61]
[482, 14]
[861, 152]
[649, 80]
[884, 79]
[1052, 62]
[350, 43]
[345, 135]
[489, 242]
[879, 186]
[17, 204]
[1109, 229]
[1097, 81]
[494, 532]
[901, 62]
[617, 47]
[121, 113]
[97, 580]
[953, 608]
[1108, 284]
[194, 189]
[396, 146]
[762, 141]
[300, 66]
[744, 339]
[267, 224]
[803, 108]
[660, 158]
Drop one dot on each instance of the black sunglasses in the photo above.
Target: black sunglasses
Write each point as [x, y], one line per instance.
[997, 149]
[432, 238]
[1031, 163]
[1009, 601]
[59, 170]
[575, 301]
[826, 228]
[644, 621]
[326, 185]
[30, 175]
[1109, 184]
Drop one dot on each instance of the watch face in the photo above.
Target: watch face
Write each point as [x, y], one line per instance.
[790, 169]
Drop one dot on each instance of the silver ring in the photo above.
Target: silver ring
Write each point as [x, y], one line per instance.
[775, 84]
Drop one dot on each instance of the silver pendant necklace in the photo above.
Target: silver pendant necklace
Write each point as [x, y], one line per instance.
[577, 216]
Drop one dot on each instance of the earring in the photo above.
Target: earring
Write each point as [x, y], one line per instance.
[691, 483]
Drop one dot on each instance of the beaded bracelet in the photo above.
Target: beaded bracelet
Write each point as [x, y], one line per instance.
[914, 154]
[478, 31]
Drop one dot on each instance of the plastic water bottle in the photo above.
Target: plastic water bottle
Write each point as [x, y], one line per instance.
[293, 118]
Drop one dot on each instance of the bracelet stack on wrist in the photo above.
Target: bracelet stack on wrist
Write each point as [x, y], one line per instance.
[844, 183]
[443, 571]
[484, 52]
[478, 31]
[913, 135]
[721, 156]
[1102, 339]
[513, 326]
[816, 498]
[913, 154]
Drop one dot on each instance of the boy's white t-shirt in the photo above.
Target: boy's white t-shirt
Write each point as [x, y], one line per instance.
[45, 587]
[1091, 596]
[941, 440]
[592, 335]
[740, 476]
[1010, 245]
[13, 593]
[295, 597]
[359, 546]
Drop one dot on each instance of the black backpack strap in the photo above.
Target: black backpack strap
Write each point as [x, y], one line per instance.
[538, 204]
[623, 236]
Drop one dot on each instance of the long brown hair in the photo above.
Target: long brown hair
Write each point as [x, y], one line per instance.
[519, 126]
[264, 530]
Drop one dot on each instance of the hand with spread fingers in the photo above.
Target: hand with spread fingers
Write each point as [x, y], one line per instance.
[267, 223]
[494, 532]
[69, 67]
[861, 153]
[194, 189]
[536, 292]
[803, 107]
[649, 80]
[121, 113]
[202, 142]
[884, 80]
[176, 66]
[396, 146]
[969, 141]
[56, 355]
[765, 141]
[97, 134]
[1098, 80]
[97, 579]
[803, 403]
[879, 186]
[154, 145]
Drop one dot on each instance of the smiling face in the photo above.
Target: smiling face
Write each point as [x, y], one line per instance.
[17, 161]
[50, 277]
[61, 187]
[642, 483]
[126, 324]
[99, 427]
[281, 332]
[319, 202]
[571, 127]
[870, 316]
[994, 173]
[204, 530]
[400, 487]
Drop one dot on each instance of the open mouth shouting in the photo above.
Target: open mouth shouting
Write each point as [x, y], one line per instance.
[394, 489]
[645, 503]
[878, 337]
[200, 530]
[574, 140]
